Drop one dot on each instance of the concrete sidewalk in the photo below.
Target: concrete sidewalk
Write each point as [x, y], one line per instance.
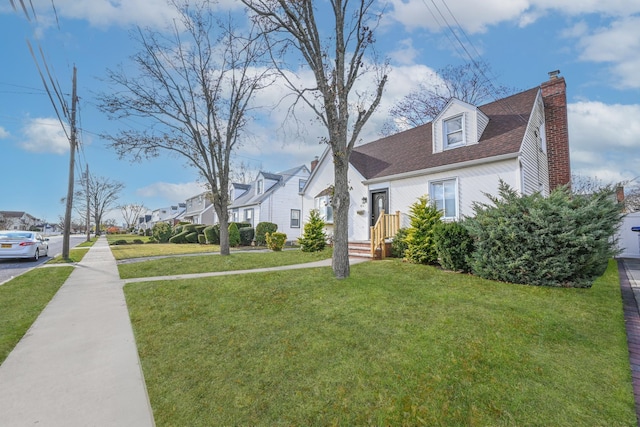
[78, 363]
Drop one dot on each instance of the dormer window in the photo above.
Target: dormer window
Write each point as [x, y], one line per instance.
[260, 188]
[454, 132]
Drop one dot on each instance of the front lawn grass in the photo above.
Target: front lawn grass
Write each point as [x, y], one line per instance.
[395, 344]
[75, 255]
[211, 263]
[21, 301]
[160, 249]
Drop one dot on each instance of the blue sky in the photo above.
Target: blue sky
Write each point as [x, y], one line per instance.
[594, 44]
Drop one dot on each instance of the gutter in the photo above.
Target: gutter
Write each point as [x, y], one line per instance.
[442, 168]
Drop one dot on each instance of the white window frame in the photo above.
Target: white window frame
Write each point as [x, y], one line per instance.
[323, 205]
[295, 218]
[446, 133]
[435, 198]
[260, 186]
[248, 218]
[301, 184]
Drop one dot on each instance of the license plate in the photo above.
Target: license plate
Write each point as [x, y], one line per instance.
[6, 245]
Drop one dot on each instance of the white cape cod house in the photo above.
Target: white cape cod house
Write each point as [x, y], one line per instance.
[455, 159]
[271, 198]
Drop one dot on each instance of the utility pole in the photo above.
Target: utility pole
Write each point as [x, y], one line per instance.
[88, 221]
[72, 159]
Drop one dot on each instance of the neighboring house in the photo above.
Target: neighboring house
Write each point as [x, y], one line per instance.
[455, 159]
[18, 220]
[200, 210]
[272, 198]
[168, 214]
[144, 222]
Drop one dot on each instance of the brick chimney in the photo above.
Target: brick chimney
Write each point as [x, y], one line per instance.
[314, 163]
[554, 97]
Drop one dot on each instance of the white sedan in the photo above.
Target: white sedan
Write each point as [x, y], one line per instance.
[22, 244]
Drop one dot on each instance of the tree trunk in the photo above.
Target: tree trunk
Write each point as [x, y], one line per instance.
[340, 203]
[224, 234]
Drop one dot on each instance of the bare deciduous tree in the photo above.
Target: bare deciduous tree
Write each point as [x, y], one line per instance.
[467, 82]
[103, 194]
[195, 86]
[131, 212]
[338, 60]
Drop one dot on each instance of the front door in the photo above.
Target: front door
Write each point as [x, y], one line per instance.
[379, 203]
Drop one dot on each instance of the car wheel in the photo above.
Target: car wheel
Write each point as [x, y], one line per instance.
[36, 256]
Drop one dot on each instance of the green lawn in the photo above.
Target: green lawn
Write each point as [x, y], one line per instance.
[21, 301]
[395, 344]
[75, 255]
[160, 249]
[210, 263]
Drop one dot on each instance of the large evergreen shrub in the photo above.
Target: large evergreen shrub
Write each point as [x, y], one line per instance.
[246, 235]
[560, 240]
[161, 232]
[453, 245]
[424, 217]
[212, 234]
[234, 235]
[313, 238]
[262, 229]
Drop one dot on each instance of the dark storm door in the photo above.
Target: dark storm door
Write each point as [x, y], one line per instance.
[379, 202]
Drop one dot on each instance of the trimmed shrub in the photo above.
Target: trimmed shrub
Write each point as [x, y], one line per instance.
[199, 228]
[399, 244]
[246, 236]
[262, 229]
[313, 239]
[276, 241]
[120, 242]
[420, 245]
[161, 232]
[189, 227]
[453, 245]
[179, 238]
[191, 237]
[177, 229]
[201, 239]
[137, 242]
[234, 235]
[560, 240]
[147, 232]
[212, 234]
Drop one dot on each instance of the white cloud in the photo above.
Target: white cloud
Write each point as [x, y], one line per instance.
[106, 13]
[617, 44]
[474, 16]
[44, 135]
[405, 54]
[4, 133]
[176, 192]
[471, 15]
[605, 140]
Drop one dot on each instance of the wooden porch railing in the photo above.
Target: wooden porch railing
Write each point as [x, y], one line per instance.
[387, 226]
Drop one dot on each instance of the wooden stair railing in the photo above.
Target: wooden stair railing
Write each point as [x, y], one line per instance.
[387, 226]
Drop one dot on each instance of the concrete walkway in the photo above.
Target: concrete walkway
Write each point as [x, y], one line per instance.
[78, 365]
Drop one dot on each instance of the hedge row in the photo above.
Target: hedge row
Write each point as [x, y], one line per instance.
[560, 240]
